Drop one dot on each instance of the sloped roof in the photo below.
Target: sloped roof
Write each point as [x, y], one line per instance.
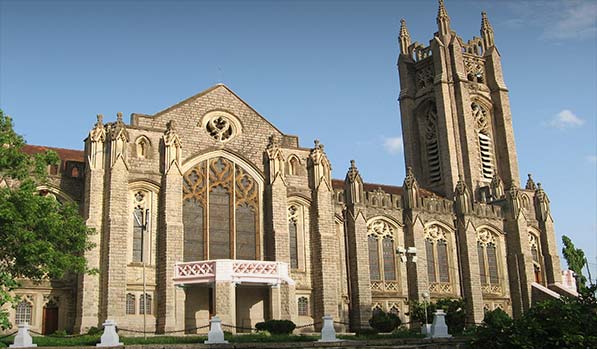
[390, 189]
[63, 154]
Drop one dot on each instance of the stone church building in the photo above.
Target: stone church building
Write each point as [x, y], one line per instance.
[206, 208]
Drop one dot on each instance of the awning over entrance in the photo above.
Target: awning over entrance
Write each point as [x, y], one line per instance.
[233, 270]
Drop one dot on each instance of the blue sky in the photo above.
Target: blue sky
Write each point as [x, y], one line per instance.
[316, 69]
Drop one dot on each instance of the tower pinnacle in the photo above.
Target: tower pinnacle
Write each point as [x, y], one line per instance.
[404, 37]
[443, 20]
[486, 30]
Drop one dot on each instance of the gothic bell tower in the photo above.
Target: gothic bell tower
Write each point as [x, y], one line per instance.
[455, 111]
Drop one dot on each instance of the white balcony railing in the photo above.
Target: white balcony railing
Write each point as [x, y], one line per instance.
[242, 271]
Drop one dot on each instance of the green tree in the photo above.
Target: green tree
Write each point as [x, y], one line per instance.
[39, 237]
[555, 323]
[575, 257]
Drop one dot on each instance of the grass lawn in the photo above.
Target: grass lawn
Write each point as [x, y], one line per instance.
[91, 340]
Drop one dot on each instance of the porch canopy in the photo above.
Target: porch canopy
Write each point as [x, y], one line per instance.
[231, 270]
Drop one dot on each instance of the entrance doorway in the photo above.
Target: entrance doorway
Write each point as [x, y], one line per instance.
[252, 306]
[50, 319]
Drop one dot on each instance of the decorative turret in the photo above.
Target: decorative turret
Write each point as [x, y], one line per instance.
[486, 31]
[173, 147]
[353, 185]
[541, 203]
[530, 183]
[97, 137]
[443, 20]
[462, 197]
[513, 196]
[321, 165]
[404, 37]
[411, 189]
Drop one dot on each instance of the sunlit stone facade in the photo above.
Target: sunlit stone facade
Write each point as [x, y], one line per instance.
[207, 208]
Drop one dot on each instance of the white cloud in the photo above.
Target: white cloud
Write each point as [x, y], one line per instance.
[578, 20]
[393, 145]
[566, 119]
[559, 20]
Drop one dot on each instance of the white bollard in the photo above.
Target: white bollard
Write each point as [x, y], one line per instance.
[23, 338]
[215, 335]
[426, 330]
[439, 329]
[110, 338]
[328, 333]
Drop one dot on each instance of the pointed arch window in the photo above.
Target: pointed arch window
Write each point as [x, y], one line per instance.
[23, 312]
[141, 224]
[303, 306]
[382, 261]
[293, 226]
[488, 261]
[130, 304]
[437, 248]
[142, 147]
[145, 304]
[221, 211]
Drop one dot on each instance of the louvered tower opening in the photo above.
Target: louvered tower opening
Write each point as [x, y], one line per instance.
[432, 147]
[486, 156]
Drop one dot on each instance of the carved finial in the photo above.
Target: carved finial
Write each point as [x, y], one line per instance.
[531, 183]
[353, 172]
[119, 117]
[316, 143]
[404, 37]
[100, 120]
[443, 20]
[539, 186]
[409, 180]
[486, 30]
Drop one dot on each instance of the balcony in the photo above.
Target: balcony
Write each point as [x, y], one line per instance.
[231, 270]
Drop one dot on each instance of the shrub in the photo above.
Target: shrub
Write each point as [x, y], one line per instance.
[92, 331]
[384, 322]
[454, 309]
[60, 333]
[495, 332]
[366, 332]
[276, 326]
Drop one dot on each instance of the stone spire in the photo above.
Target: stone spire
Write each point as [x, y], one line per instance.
[404, 37]
[486, 31]
[411, 189]
[542, 203]
[443, 20]
[530, 183]
[353, 185]
[119, 138]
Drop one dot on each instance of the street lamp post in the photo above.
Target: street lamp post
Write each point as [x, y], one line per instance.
[425, 296]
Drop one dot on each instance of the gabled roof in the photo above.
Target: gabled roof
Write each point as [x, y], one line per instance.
[203, 93]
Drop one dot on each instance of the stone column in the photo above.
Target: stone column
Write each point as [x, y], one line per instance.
[551, 259]
[278, 204]
[325, 248]
[519, 259]
[225, 303]
[358, 253]
[288, 305]
[116, 225]
[414, 236]
[88, 286]
[170, 237]
[469, 259]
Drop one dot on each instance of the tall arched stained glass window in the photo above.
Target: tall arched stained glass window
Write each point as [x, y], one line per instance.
[221, 211]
